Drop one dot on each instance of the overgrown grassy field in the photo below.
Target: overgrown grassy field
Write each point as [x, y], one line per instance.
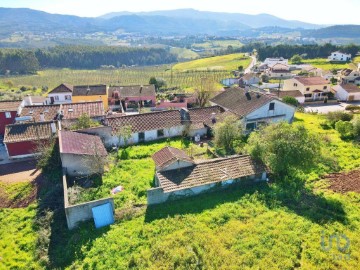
[224, 62]
[218, 44]
[184, 54]
[250, 226]
[325, 65]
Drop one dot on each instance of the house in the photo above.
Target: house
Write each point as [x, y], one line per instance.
[145, 127]
[133, 96]
[279, 71]
[312, 71]
[349, 76]
[39, 113]
[339, 56]
[249, 79]
[200, 120]
[81, 154]
[230, 81]
[178, 175]
[253, 108]
[347, 92]
[313, 88]
[23, 140]
[90, 93]
[292, 93]
[273, 61]
[33, 100]
[60, 94]
[8, 111]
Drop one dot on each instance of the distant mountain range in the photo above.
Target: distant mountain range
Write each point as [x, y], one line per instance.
[171, 22]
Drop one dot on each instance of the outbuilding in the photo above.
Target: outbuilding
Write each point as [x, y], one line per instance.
[347, 92]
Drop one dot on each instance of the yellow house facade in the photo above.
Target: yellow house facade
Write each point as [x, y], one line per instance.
[86, 93]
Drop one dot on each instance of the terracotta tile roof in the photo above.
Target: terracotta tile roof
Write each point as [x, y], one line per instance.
[346, 72]
[169, 155]
[62, 88]
[212, 171]
[75, 110]
[28, 132]
[241, 103]
[146, 121]
[80, 144]
[279, 66]
[311, 80]
[133, 90]
[90, 90]
[351, 88]
[248, 76]
[50, 112]
[201, 116]
[291, 93]
[9, 105]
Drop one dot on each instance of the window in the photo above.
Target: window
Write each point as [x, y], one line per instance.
[250, 126]
[308, 89]
[141, 136]
[325, 87]
[8, 114]
[56, 98]
[308, 95]
[67, 97]
[271, 106]
[295, 84]
[160, 133]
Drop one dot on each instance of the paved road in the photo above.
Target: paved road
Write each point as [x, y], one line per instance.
[325, 108]
[253, 63]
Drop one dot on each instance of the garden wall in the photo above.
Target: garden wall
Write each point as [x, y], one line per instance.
[82, 211]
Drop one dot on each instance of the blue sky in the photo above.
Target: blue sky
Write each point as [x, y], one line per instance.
[314, 11]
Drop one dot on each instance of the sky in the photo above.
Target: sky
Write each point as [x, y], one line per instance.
[312, 11]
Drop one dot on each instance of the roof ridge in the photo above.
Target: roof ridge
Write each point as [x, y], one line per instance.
[32, 123]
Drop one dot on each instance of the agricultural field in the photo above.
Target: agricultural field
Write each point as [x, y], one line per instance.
[224, 62]
[325, 65]
[216, 45]
[184, 54]
[249, 226]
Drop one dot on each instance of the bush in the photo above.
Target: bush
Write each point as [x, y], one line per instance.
[352, 108]
[290, 100]
[345, 129]
[356, 126]
[334, 117]
[23, 88]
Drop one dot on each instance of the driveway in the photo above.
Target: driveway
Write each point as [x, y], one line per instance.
[253, 63]
[325, 108]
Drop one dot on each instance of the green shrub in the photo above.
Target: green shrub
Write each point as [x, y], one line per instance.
[290, 100]
[356, 126]
[334, 117]
[345, 129]
[352, 108]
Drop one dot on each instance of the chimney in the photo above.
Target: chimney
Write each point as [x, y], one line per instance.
[141, 88]
[42, 117]
[53, 127]
[213, 118]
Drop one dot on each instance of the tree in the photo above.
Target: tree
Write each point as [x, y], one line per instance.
[356, 126]
[95, 162]
[284, 148]
[124, 134]
[296, 59]
[84, 121]
[290, 100]
[158, 82]
[240, 68]
[204, 91]
[227, 132]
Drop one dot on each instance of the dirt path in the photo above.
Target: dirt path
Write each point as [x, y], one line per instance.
[24, 171]
[344, 182]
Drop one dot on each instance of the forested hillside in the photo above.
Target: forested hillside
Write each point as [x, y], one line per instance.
[80, 57]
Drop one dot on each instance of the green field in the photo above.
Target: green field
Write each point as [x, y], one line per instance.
[249, 226]
[184, 54]
[325, 65]
[224, 62]
[218, 44]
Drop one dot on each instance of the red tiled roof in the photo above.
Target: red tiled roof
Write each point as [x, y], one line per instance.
[201, 116]
[75, 110]
[9, 105]
[169, 155]
[90, 90]
[241, 103]
[80, 144]
[350, 88]
[211, 171]
[291, 93]
[312, 80]
[62, 88]
[28, 132]
[146, 121]
[50, 112]
[133, 90]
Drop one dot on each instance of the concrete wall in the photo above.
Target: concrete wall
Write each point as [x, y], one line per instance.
[157, 195]
[80, 212]
[178, 165]
[61, 97]
[201, 132]
[77, 165]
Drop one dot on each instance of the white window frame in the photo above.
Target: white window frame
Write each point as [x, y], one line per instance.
[7, 115]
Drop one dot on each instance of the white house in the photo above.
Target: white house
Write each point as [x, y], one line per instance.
[349, 75]
[179, 176]
[273, 61]
[313, 88]
[347, 92]
[254, 108]
[339, 56]
[61, 94]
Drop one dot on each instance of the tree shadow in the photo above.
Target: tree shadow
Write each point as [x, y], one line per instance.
[313, 207]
